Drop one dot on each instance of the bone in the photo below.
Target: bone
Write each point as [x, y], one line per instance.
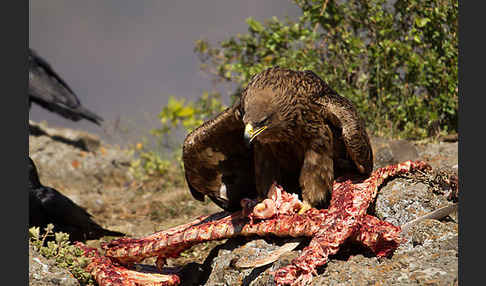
[439, 213]
[329, 228]
[269, 257]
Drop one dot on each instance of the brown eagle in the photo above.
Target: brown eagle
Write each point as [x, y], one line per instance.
[287, 127]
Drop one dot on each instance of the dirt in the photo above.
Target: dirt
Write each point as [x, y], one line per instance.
[96, 176]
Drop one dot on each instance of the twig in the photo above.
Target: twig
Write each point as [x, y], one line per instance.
[322, 12]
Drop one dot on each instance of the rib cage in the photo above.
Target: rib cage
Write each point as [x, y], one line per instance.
[345, 219]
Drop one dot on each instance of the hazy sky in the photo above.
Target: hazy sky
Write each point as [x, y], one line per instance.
[124, 58]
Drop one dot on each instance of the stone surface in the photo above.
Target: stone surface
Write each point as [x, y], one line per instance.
[387, 152]
[77, 157]
[83, 167]
[442, 154]
[435, 262]
[401, 201]
[44, 272]
[428, 257]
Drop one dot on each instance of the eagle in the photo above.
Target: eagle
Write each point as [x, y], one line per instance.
[47, 205]
[287, 127]
[50, 91]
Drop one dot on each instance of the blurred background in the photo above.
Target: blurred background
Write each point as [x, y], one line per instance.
[125, 58]
[155, 70]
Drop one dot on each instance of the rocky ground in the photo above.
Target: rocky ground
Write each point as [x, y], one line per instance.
[95, 175]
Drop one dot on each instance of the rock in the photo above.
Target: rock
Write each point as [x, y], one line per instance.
[44, 272]
[83, 140]
[435, 262]
[449, 137]
[401, 201]
[442, 154]
[429, 256]
[76, 157]
[387, 152]
[403, 150]
[431, 230]
[81, 164]
[390, 151]
[225, 272]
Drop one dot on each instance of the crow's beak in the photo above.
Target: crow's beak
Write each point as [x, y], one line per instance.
[250, 133]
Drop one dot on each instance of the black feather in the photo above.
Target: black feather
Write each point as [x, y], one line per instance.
[49, 90]
[47, 205]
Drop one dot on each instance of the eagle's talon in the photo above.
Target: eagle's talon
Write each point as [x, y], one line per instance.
[305, 207]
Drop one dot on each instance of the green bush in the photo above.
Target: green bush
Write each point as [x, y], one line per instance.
[396, 62]
[148, 163]
[64, 253]
[189, 115]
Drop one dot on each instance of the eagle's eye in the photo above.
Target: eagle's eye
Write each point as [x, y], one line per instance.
[263, 121]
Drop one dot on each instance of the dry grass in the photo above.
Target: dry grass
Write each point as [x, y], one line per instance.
[114, 198]
[141, 209]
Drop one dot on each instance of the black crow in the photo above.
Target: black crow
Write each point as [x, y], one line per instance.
[46, 205]
[49, 90]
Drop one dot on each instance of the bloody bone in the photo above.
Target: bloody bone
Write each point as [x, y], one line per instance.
[345, 218]
[106, 272]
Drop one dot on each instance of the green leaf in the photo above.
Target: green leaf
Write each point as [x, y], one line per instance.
[421, 22]
[34, 232]
[254, 25]
[186, 111]
[175, 104]
[416, 38]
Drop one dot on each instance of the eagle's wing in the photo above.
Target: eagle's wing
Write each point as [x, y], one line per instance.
[50, 91]
[217, 163]
[342, 113]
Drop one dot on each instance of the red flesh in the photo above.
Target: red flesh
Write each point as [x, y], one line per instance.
[345, 218]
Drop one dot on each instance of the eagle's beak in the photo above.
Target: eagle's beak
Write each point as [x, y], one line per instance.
[250, 134]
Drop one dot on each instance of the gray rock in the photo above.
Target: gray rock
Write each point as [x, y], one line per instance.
[403, 150]
[442, 154]
[401, 201]
[434, 262]
[44, 271]
[225, 272]
[429, 256]
[387, 151]
[77, 157]
[82, 140]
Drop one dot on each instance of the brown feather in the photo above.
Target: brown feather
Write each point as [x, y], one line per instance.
[214, 156]
[312, 136]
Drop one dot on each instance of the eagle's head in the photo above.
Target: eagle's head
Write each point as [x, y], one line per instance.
[274, 100]
[265, 116]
